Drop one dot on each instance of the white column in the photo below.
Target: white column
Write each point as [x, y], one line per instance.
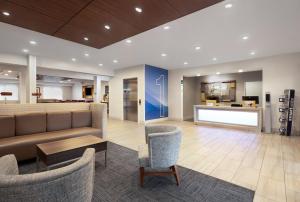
[97, 89]
[22, 87]
[31, 79]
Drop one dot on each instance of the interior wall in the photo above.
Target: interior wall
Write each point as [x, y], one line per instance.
[190, 96]
[240, 79]
[66, 91]
[279, 73]
[116, 92]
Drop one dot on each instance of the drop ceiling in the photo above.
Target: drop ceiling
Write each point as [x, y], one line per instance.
[272, 27]
[75, 20]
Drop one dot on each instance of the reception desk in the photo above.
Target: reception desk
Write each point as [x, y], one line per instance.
[241, 117]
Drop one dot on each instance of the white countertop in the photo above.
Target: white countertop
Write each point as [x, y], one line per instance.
[229, 108]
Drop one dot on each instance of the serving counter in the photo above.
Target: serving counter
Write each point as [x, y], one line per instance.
[242, 117]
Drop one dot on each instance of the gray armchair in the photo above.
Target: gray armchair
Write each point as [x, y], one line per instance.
[71, 183]
[160, 156]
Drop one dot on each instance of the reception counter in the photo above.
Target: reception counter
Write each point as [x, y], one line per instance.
[242, 117]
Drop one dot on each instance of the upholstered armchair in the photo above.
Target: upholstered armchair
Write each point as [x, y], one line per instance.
[160, 155]
[70, 183]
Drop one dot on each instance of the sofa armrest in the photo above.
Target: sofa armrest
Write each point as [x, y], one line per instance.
[99, 117]
[9, 165]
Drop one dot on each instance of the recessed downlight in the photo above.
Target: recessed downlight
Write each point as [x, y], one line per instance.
[100, 64]
[9, 71]
[163, 54]
[197, 48]
[6, 13]
[107, 27]
[198, 75]
[138, 9]
[86, 55]
[240, 70]
[245, 37]
[25, 50]
[252, 53]
[185, 63]
[86, 38]
[128, 41]
[5, 74]
[215, 59]
[115, 61]
[166, 27]
[32, 42]
[228, 5]
[73, 59]
[218, 73]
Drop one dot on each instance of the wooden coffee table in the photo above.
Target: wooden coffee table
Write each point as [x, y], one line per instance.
[64, 151]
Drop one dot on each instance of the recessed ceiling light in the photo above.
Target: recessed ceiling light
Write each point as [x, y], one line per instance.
[9, 71]
[163, 54]
[138, 9]
[5, 74]
[218, 73]
[115, 61]
[32, 42]
[185, 63]
[245, 37]
[73, 59]
[228, 6]
[25, 50]
[6, 13]
[240, 71]
[214, 59]
[61, 81]
[86, 39]
[69, 80]
[252, 53]
[166, 27]
[107, 27]
[197, 48]
[86, 54]
[198, 74]
[128, 41]
[100, 64]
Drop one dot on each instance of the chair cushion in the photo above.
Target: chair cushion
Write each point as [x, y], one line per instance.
[143, 156]
[7, 125]
[24, 146]
[8, 165]
[81, 119]
[58, 121]
[30, 123]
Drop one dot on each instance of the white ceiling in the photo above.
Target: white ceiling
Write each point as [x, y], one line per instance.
[273, 27]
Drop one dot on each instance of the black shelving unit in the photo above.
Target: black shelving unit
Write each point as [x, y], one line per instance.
[287, 112]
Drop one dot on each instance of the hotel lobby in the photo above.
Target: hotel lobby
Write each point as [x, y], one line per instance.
[135, 100]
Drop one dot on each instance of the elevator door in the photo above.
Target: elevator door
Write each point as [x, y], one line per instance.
[130, 102]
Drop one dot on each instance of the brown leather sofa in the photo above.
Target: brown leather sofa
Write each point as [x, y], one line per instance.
[20, 133]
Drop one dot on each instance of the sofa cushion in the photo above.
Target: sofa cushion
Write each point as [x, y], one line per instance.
[7, 125]
[24, 147]
[81, 119]
[30, 123]
[58, 121]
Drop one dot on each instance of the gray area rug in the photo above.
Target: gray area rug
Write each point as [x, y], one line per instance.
[119, 181]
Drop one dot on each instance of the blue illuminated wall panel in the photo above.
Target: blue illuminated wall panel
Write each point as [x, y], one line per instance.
[156, 92]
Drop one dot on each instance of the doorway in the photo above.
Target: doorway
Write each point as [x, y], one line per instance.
[130, 99]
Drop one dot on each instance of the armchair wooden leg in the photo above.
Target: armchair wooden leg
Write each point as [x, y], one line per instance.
[142, 173]
[176, 174]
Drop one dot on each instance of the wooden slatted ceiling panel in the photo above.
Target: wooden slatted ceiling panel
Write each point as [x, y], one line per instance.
[74, 19]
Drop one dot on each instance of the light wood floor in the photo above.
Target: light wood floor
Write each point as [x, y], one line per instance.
[268, 164]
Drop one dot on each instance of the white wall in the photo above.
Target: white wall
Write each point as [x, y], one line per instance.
[77, 91]
[279, 73]
[66, 91]
[116, 92]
